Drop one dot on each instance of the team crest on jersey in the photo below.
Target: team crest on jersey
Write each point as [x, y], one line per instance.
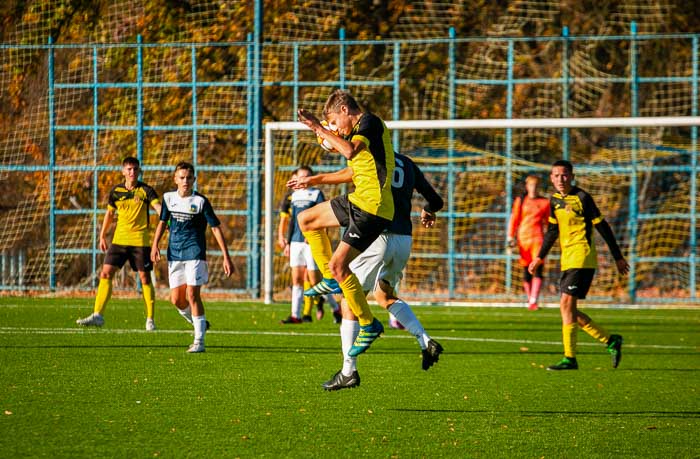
[193, 208]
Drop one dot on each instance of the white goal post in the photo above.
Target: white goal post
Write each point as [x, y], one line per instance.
[501, 123]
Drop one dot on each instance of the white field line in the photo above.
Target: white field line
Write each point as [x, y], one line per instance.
[76, 331]
[626, 314]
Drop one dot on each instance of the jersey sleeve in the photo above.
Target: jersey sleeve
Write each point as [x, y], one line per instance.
[286, 204]
[111, 202]
[515, 213]
[590, 210]
[435, 201]
[552, 215]
[370, 127]
[151, 195]
[164, 212]
[209, 214]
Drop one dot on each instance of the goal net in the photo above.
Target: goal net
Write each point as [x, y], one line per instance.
[645, 189]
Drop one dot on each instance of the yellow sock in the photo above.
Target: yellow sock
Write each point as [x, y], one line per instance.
[355, 296]
[149, 297]
[320, 249]
[569, 334]
[307, 300]
[596, 331]
[104, 293]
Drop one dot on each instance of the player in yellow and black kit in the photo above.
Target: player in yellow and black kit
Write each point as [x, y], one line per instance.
[130, 201]
[573, 214]
[365, 142]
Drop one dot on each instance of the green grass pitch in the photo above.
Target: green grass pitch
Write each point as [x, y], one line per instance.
[122, 392]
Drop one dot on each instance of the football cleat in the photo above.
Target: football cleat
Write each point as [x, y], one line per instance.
[615, 349]
[567, 363]
[340, 381]
[431, 354]
[196, 348]
[93, 320]
[368, 334]
[323, 287]
[150, 325]
[533, 307]
[290, 320]
[306, 319]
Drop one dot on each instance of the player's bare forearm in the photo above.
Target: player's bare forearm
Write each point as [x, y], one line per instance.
[155, 251]
[221, 241]
[536, 263]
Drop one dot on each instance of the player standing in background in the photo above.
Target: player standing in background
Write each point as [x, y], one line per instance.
[573, 214]
[131, 241]
[305, 273]
[365, 142]
[380, 267]
[528, 220]
[186, 213]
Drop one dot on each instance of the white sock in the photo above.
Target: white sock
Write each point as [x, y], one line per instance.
[200, 328]
[408, 319]
[186, 313]
[297, 300]
[330, 299]
[349, 329]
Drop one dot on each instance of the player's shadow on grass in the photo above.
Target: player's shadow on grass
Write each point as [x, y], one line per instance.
[547, 413]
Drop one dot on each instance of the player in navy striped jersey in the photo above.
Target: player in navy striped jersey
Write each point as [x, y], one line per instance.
[305, 273]
[379, 268]
[187, 213]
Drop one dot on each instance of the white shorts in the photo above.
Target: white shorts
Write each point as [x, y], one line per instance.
[300, 255]
[189, 272]
[384, 260]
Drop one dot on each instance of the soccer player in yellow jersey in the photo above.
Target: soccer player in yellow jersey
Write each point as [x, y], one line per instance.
[365, 142]
[130, 201]
[573, 214]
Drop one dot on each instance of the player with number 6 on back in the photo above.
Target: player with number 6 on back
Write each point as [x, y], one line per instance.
[364, 140]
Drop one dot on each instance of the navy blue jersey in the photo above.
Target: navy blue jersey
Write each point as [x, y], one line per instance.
[293, 204]
[407, 177]
[188, 218]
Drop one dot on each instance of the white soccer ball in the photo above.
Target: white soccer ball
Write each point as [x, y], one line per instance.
[325, 144]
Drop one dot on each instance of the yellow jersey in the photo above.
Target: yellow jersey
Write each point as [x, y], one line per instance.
[132, 214]
[575, 214]
[373, 167]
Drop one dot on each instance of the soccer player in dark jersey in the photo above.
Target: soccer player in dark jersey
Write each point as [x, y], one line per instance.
[365, 142]
[186, 214]
[573, 214]
[130, 201]
[305, 273]
[379, 268]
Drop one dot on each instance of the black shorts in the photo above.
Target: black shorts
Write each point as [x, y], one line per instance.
[139, 257]
[362, 228]
[576, 282]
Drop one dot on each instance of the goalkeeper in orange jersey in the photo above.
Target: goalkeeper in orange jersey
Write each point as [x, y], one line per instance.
[131, 242]
[573, 214]
[528, 221]
[364, 141]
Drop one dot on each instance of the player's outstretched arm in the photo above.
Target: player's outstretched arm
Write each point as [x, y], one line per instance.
[331, 178]
[604, 229]
[221, 241]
